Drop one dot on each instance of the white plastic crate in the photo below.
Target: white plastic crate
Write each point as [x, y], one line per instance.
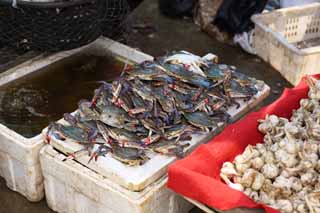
[275, 35]
[73, 188]
[291, 3]
[19, 156]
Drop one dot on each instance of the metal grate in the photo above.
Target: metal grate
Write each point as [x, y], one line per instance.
[56, 26]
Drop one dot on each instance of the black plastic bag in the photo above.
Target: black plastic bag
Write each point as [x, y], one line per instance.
[234, 16]
[177, 8]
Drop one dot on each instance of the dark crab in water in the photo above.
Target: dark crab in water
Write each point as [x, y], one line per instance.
[25, 101]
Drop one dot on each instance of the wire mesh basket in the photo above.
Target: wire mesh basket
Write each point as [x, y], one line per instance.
[59, 25]
[115, 24]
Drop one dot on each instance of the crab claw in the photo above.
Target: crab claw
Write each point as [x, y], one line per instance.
[130, 113]
[147, 141]
[101, 151]
[47, 139]
[51, 131]
[196, 96]
[93, 156]
[187, 66]
[128, 68]
[93, 134]
[70, 118]
[70, 156]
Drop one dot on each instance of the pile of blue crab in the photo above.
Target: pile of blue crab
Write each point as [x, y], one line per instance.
[155, 106]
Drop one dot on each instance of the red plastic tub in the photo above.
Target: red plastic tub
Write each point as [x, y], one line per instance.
[198, 175]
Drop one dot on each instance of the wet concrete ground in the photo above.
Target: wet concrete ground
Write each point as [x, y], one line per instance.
[170, 35]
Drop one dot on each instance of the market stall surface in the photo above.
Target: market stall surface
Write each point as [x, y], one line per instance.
[157, 35]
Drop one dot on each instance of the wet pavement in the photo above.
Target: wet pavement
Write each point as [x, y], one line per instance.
[168, 35]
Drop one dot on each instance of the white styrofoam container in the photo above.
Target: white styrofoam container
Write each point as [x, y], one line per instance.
[73, 188]
[110, 186]
[19, 156]
[275, 35]
[137, 178]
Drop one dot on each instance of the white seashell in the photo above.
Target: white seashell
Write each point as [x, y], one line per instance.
[261, 148]
[249, 153]
[258, 181]
[228, 169]
[307, 178]
[296, 184]
[267, 186]
[257, 163]
[314, 92]
[239, 159]
[269, 157]
[279, 153]
[270, 171]
[284, 206]
[235, 186]
[292, 147]
[291, 130]
[282, 143]
[248, 177]
[302, 208]
[312, 201]
[242, 167]
[274, 120]
[265, 198]
[307, 104]
[282, 182]
[274, 147]
[313, 158]
[248, 191]
[255, 196]
[264, 128]
[289, 160]
[309, 148]
[285, 174]
[318, 166]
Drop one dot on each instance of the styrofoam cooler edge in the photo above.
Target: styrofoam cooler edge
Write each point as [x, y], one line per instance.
[19, 163]
[71, 187]
[19, 156]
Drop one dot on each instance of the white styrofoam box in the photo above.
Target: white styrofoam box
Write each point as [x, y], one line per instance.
[19, 163]
[73, 188]
[275, 35]
[19, 156]
[138, 177]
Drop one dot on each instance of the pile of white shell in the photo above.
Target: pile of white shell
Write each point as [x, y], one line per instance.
[283, 172]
